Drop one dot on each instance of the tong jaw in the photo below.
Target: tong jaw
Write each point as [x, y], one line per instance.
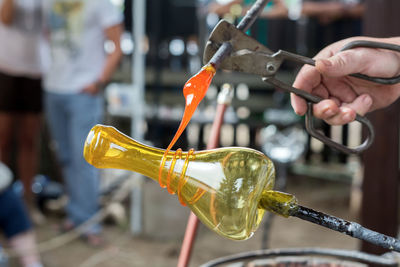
[248, 55]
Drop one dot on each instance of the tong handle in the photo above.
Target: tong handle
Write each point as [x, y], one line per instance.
[345, 149]
[312, 99]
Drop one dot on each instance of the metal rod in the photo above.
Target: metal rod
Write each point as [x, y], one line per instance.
[251, 15]
[137, 111]
[225, 49]
[349, 228]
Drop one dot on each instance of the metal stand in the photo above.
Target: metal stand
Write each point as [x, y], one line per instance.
[137, 116]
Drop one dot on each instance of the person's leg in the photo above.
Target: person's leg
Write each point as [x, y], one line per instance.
[83, 179]
[57, 119]
[28, 144]
[29, 108]
[7, 115]
[6, 134]
[14, 222]
[27, 160]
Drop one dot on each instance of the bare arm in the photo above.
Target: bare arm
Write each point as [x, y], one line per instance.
[321, 8]
[7, 12]
[356, 11]
[113, 34]
[222, 9]
[278, 10]
[330, 11]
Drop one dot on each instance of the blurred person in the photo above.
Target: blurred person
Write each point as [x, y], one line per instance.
[274, 9]
[327, 11]
[15, 223]
[329, 21]
[73, 86]
[21, 69]
[347, 96]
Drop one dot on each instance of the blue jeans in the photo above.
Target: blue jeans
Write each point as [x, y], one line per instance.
[14, 219]
[70, 118]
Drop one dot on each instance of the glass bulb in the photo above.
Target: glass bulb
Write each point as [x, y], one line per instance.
[223, 186]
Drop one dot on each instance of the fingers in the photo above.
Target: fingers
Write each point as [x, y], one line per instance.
[361, 105]
[329, 111]
[333, 114]
[328, 81]
[345, 63]
[340, 89]
[91, 89]
[371, 62]
[307, 79]
[299, 104]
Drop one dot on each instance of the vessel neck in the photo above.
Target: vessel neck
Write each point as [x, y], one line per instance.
[105, 147]
[280, 203]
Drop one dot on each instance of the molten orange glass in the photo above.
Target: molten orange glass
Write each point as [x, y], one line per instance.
[194, 91]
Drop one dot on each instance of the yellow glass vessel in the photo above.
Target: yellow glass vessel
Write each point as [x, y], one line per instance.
[223, 187]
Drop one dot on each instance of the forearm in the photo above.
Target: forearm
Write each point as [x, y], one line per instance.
[355, 11]
[222, 9]
[113, 59]
[7, 12]
[113, 34]
[110, 65]
[279, 10]
[315, 9]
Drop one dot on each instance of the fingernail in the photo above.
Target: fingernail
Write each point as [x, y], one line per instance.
[366, 100]
[328, 112]
[347, 117]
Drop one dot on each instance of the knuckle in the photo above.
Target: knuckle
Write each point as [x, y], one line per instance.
[342, 60]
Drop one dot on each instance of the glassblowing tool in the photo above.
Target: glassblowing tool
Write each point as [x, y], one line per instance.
[244, 54]
[229, 189]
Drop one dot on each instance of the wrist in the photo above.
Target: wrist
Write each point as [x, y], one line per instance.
[100, 84]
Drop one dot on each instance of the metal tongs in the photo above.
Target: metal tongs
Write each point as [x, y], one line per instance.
[249, 56]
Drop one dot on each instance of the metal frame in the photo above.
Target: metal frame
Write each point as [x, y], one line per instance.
[355, 256]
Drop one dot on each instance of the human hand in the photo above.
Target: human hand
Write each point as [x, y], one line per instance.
[346, 96]
[93, 88]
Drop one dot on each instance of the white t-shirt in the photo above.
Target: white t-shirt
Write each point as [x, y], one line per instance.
[76, 37]
[21, 42]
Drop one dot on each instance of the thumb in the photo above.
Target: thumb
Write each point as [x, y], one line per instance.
[344, 63]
